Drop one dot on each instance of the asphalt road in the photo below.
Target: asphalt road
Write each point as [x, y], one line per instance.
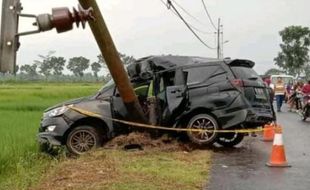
[243, 168]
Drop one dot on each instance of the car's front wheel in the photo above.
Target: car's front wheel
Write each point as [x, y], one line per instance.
[202, 122]
[82, 139]
[230, 139]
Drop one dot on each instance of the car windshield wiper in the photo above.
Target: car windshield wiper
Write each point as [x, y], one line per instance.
[98, 94]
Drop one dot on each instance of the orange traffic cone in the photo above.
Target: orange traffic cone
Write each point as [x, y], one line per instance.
[268, 133]
[277, 158]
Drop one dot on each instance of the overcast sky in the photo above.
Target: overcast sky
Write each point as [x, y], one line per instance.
[145, 27]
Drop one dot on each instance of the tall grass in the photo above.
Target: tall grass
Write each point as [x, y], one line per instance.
[21, 107]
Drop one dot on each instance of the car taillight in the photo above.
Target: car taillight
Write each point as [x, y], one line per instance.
[237, 82]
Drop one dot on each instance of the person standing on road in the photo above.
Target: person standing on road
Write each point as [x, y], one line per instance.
[299, 96]
[279, 91]
[306, 91]
[288, 91]
[294, 101]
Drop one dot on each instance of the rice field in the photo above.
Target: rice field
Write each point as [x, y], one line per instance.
[21, 107]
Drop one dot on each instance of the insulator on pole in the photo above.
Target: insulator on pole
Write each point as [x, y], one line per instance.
[61, 19]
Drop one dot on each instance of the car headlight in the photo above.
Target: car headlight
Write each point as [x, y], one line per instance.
[57, 111]
[50, 128]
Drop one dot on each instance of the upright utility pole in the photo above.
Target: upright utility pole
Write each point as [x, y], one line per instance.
[113, 61]
[218, 38]
[9, 41]
[222, 42]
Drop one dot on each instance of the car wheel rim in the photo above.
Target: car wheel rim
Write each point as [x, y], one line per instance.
[205, 124]
[82, 141]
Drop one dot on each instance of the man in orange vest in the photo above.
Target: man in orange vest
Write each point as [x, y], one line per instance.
[279, 91]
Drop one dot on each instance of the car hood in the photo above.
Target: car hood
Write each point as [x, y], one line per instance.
[69, 102]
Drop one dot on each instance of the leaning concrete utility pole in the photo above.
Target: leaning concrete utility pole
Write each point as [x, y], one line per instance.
[113, 61]
[9, 41]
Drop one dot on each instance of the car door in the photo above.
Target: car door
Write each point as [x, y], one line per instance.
[208, 86]
[176, 93]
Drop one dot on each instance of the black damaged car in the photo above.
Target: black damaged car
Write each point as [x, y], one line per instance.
[189, 92]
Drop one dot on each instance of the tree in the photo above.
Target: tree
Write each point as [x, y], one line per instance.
[78, 65]
[95, 67]
[101, 60]
[57, 64]
[30, 70]
[45, 64]
[273, 71]
[126, 59]
[307, 71]
[16, 69]
[294, 49]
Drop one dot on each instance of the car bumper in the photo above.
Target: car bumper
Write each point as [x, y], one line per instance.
[258, 118]
[49, 138]
[56, 136]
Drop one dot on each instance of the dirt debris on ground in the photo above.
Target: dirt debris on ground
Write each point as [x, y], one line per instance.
[144, 141]
[163, 163]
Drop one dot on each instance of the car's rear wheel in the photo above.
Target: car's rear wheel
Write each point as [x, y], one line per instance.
[82, 139]
[204, 122]
[230, 139]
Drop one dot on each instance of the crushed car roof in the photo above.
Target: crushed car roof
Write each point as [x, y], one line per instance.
[147, 65]
[170, 61]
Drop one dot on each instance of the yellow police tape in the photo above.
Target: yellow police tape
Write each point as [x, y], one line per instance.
[91, 114]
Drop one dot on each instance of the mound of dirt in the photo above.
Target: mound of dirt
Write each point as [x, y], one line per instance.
[144, 141]
[152, 168]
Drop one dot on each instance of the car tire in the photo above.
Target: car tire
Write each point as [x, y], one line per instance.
[203, 121]
[49, 149]
[83, 139]
[230, 139]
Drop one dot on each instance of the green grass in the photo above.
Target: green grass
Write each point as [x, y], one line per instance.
[21, 107]
[140, 170]
[163, 170]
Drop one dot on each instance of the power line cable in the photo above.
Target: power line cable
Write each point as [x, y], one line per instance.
[205, 7]
[188, 13]
[197, 29]
[194, 28]
[170, 5]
